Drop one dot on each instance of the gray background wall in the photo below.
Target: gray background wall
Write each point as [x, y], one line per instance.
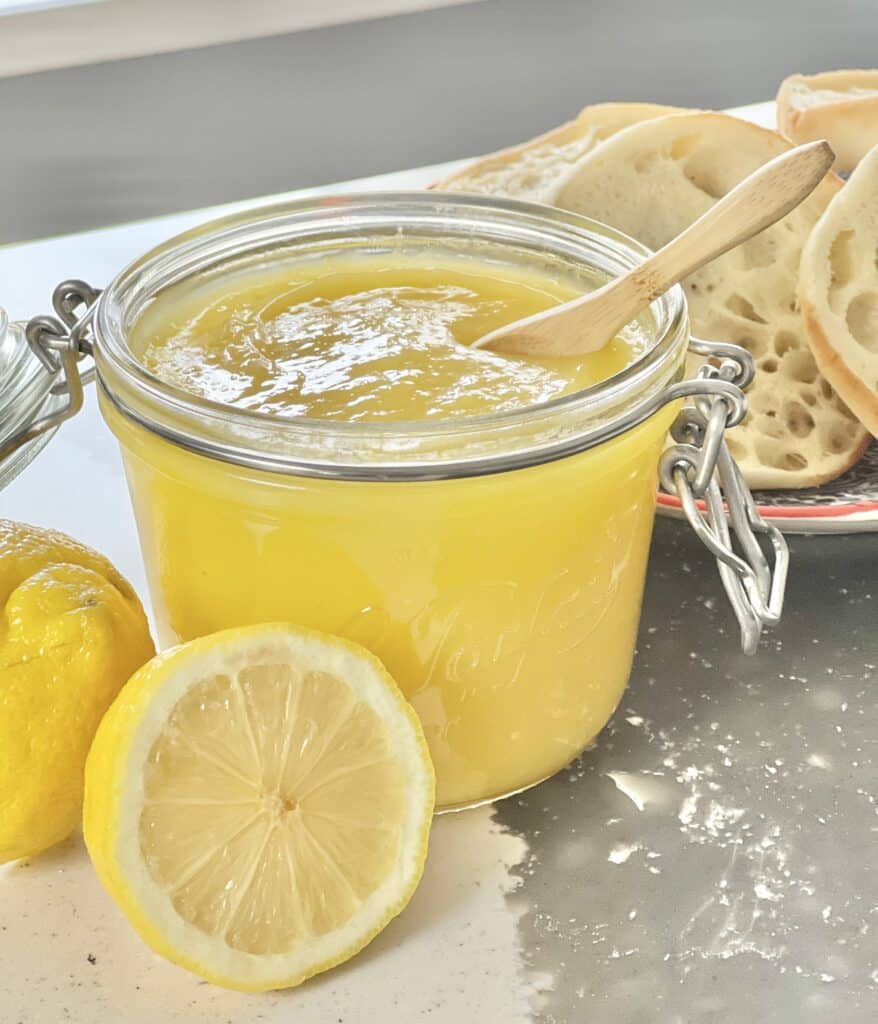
[110, 142]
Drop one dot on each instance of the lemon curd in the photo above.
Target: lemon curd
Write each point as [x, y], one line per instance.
[364, 342]
[505, 604]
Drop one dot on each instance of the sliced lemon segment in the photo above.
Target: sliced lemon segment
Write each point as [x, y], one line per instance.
[258, 803]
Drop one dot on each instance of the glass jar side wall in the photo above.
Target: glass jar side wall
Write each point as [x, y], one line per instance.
[506, 606]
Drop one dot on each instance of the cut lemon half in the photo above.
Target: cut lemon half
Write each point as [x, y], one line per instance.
[258, 803]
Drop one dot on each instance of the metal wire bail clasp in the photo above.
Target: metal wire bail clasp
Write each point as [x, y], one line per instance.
[699, 467]
[60, 342]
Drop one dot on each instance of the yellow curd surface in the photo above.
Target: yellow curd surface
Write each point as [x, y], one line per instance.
[364, 343]
[505, 605]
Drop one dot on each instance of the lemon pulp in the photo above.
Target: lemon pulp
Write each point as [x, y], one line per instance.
[253, 816]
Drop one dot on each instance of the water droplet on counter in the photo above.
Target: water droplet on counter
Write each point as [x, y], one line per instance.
[762, 892]
[641, 790]
[622, 851]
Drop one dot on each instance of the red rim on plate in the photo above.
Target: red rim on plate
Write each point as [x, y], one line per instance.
[671, 501]
[850, 502]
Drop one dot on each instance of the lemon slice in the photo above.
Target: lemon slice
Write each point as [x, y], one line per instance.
[258, 803]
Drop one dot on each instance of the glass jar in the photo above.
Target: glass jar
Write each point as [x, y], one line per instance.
[495, 563]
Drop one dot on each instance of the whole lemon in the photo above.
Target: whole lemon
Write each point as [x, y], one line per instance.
[71, 633]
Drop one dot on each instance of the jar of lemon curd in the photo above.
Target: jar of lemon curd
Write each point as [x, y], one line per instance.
[487, 542]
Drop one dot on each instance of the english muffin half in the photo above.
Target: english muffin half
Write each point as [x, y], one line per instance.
[838, 290]
[529, 170]
[841, 106]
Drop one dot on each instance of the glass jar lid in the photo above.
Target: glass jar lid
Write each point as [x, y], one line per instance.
[27, 388]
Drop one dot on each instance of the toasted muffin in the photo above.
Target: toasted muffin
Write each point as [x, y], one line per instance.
[529, 170]
[841, 106]
[838, 291]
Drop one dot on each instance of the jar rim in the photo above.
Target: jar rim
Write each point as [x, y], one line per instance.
[461, 446]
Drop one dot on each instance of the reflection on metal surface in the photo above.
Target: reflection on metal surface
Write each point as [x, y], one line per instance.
[708, 859]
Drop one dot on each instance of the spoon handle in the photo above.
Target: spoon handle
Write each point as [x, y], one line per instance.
[589, 322]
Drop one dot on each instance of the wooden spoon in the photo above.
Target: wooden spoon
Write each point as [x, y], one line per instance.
[588, 323]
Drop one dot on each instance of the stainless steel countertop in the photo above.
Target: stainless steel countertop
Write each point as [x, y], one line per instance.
[712, 858]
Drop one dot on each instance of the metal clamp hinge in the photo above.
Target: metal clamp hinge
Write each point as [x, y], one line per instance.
[60, 342]
[699, 467]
